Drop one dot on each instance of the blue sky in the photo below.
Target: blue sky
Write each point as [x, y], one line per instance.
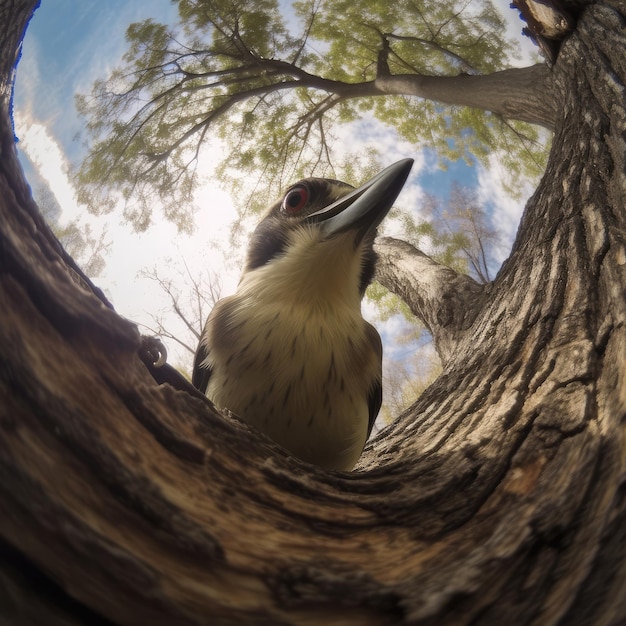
[69, 44]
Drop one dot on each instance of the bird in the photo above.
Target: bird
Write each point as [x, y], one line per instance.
[289, 352]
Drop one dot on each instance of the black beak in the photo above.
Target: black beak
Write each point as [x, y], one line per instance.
[363, 209]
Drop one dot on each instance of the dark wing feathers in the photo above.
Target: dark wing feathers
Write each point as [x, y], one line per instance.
[375, 398]
[201, 374]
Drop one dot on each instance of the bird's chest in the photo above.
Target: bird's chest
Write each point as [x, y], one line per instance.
[301, 376]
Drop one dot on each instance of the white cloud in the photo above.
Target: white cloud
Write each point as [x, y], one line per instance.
[505, 210]
[529, 52]
[49, 160]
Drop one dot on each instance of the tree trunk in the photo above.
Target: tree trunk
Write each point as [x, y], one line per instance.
[498, 498]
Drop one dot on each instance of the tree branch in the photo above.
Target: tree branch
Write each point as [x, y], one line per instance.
[444, 300]
[519, 93]
[463, 63]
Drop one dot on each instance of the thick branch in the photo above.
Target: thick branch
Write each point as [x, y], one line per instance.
[520, 93]
[523, 94]
[445, 301]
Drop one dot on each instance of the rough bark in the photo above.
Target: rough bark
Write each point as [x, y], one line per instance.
[499, 498]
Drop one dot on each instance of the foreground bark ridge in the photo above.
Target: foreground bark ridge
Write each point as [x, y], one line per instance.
[499, 498]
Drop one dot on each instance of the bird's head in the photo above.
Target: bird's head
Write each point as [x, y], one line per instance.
[319, 222]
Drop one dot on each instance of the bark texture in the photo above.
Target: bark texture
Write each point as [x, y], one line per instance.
[499, 498]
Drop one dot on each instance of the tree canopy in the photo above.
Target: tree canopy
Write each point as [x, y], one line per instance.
[270, 86]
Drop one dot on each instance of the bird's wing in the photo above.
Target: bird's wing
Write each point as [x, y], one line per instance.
[375, 398]
[201, 374]
[216, 325]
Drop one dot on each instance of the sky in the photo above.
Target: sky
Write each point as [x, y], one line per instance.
[70, 43]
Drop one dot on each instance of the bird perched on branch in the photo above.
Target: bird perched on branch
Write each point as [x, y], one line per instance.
[289, 352]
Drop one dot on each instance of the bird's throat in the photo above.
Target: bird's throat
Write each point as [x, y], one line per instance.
[312, 274]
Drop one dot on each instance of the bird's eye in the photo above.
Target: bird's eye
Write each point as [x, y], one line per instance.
[295, 200]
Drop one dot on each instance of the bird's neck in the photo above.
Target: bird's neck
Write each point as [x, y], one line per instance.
[313, 273]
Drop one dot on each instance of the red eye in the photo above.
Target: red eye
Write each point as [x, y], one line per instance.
[295, 200]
